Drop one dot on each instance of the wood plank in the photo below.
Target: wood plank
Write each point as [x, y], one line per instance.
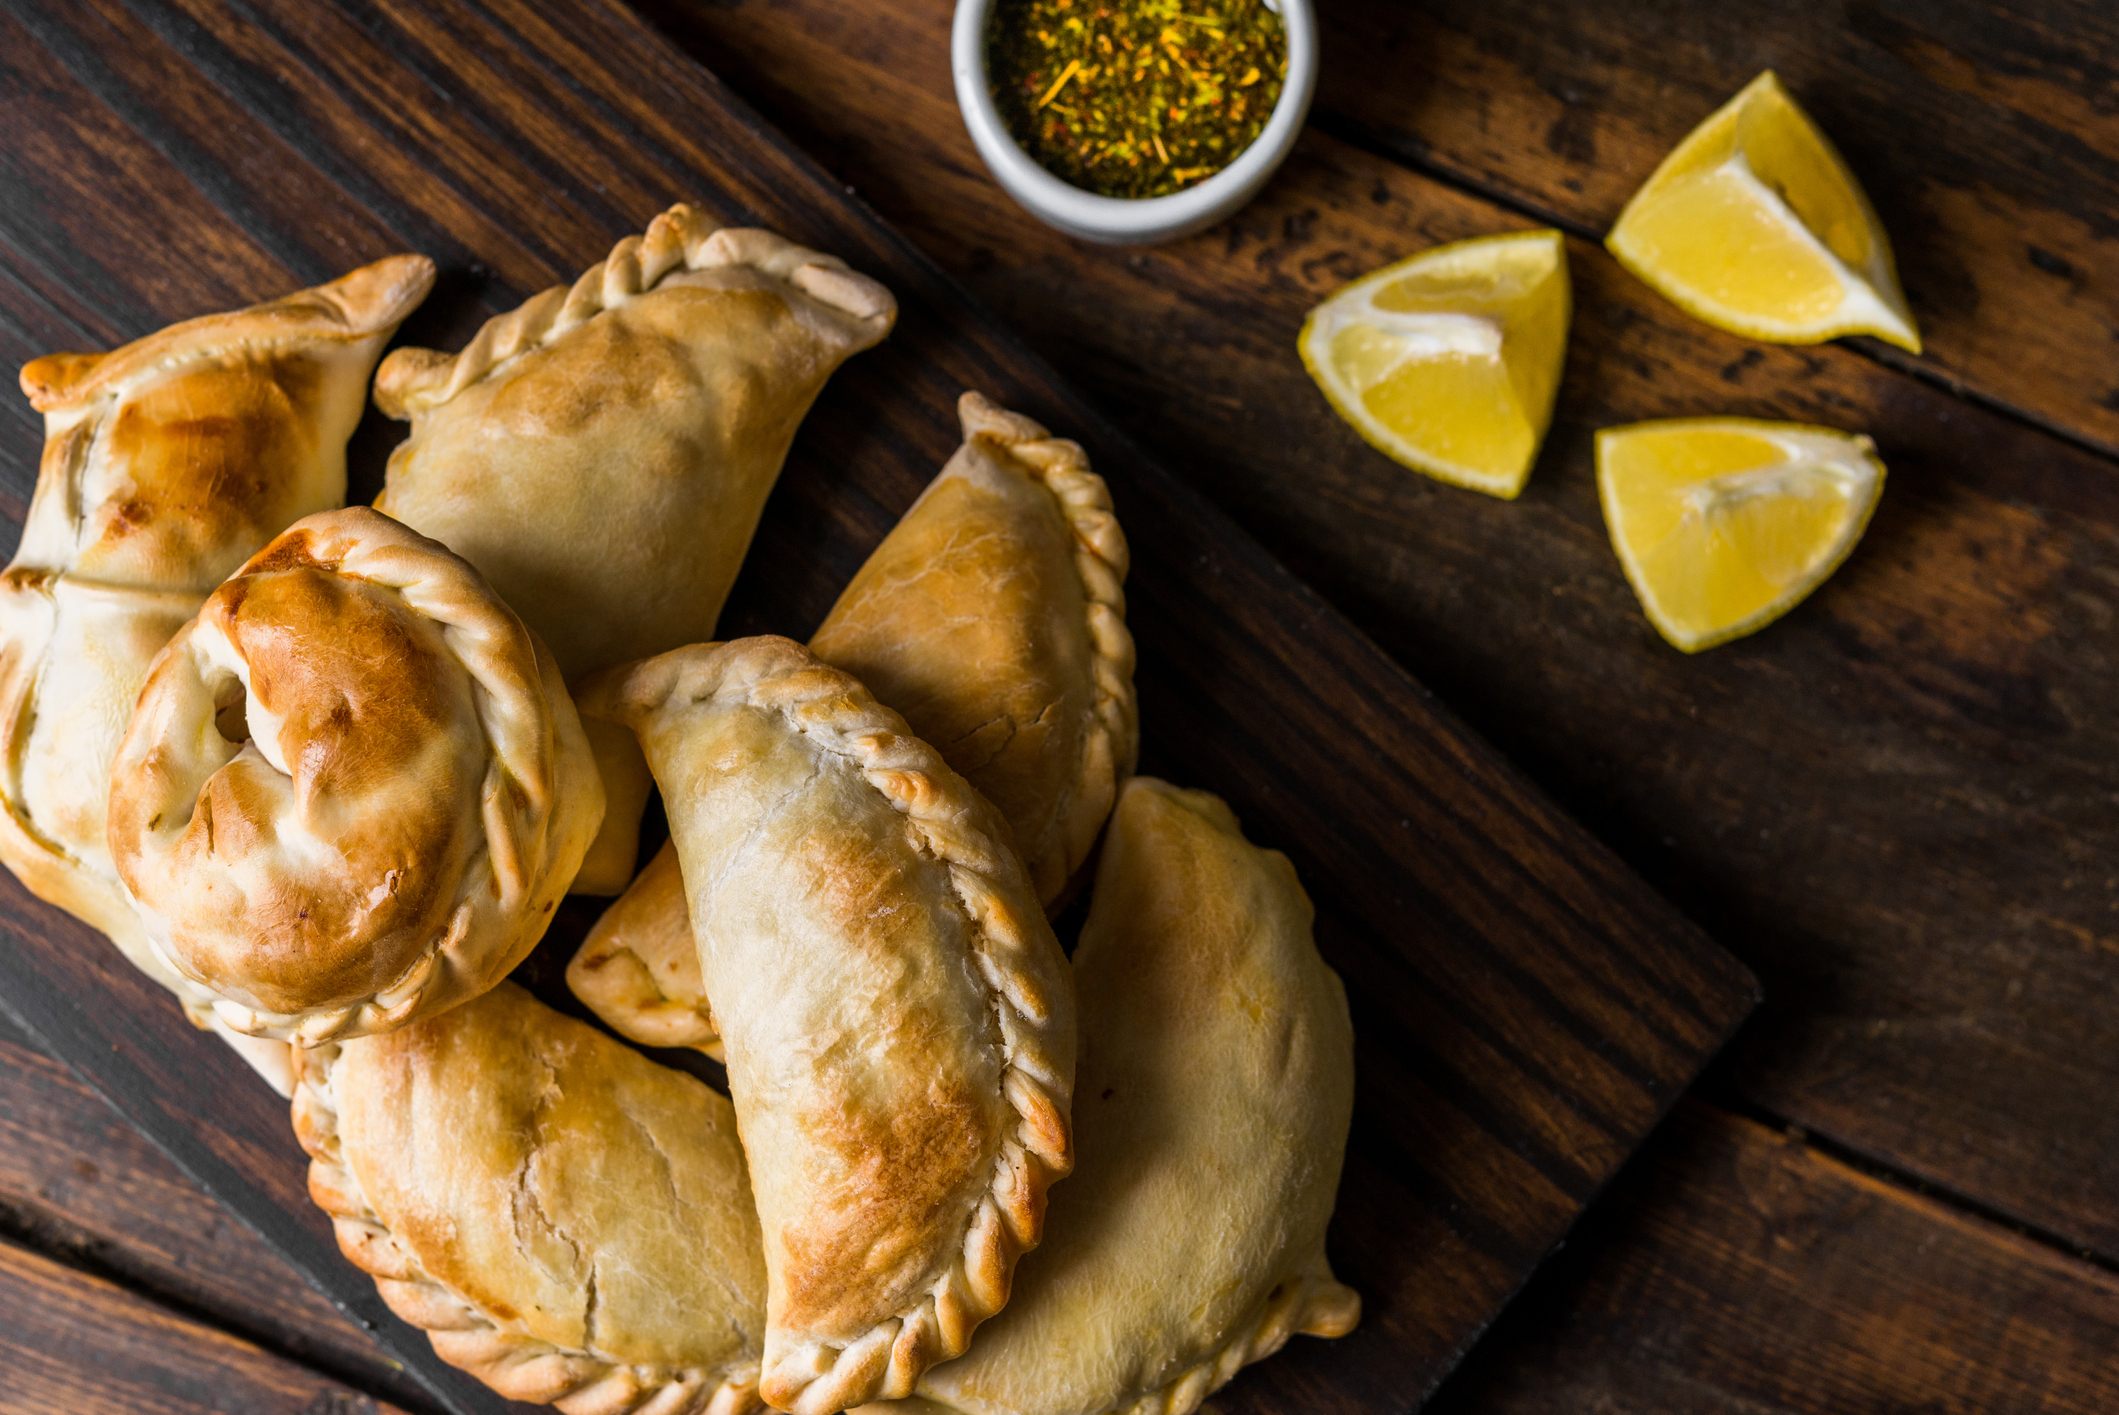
[77, 1343]
[77, 1179]
[1528, 1008]
[1896, 804]
[1734, 1270]
[1730, 1268]
[1984, 133]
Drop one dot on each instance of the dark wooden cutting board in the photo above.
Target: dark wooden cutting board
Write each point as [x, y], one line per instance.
[1526, 1008]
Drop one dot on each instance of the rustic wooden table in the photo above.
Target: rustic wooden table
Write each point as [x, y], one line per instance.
[1900, 806]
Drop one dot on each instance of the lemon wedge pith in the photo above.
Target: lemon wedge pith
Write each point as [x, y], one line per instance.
[1754, 224]
[1725, 524]
[1448, 361]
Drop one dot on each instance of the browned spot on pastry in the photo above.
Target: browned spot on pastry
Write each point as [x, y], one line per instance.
[861, 891]
[295, 549]
[208, 450]
[365, 692]
[27, 577]
[906, 1174]
[130, 515]
[613, 369]
[47, 382]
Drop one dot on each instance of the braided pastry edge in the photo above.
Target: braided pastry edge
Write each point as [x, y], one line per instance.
[1313, 1303]
[413, 381]
[961, 831]
[514, 1363]
[531, 800]
[1111, 750]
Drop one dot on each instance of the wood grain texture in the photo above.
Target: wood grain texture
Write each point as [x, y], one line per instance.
[77, 1178]
[1729, 1268]
[1986, 134]
[79, 1344]
[1526, 1007]
[1897, 804]
[1735, 1271]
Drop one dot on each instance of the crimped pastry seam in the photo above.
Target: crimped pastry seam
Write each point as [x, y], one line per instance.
[523, 792]
[347, 312]
[517, 1365]
[1312, 1303]
[417, 381]
[842, 717]
[1101, 560]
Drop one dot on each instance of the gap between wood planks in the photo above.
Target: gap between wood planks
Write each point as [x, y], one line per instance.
[1359, 136]
[35, 1233]
[51, 1236]
[1505, 202]
[1871, 1168]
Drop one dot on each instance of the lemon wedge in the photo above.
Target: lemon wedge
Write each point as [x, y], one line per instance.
[1755, 225]
[1725, 524]
[1448, 360]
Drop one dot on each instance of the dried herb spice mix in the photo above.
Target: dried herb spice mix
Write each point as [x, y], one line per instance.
[1135, 98]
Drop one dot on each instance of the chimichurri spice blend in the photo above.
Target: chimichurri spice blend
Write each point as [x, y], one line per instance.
[1135, 98]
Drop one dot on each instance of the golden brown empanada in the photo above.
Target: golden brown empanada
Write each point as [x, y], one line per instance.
[1215, 1091]
[568, 1221]
[354, 788]
[602, 454]
[993, 618]
[167, 463]
[899, 1022]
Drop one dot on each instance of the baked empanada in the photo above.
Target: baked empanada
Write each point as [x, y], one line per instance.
[167, 463]
[354, 788]
[898, 1019]
[568, 1221]
[603, 453]
[1215, 1091]
[993, 619]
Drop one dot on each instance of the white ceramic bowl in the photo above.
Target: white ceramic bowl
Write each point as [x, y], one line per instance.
[1120, 221]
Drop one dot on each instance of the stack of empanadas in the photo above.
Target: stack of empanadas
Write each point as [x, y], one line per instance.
[167, 463]
[366, 766]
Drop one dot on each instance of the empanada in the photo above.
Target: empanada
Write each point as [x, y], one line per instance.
[899, 1023]
[167, 463]
[568, 1221]
[354, 789]
[1215, 1091]
[993, 618]
[602, 454]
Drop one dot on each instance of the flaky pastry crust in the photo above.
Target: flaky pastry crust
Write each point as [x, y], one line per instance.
[638, 969]
[566, 1220]
[167, 463]
[354, 788]
[1215, 1092]
[896, 1013]
[602, 453]
[993, 618]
